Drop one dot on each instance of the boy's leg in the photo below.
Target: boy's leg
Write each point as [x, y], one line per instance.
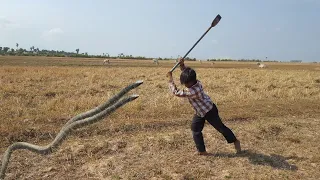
[214, 119]
[196, 127]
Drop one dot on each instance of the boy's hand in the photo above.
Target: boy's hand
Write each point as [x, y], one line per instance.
[182, 66]
[169, 75]
[181, 61]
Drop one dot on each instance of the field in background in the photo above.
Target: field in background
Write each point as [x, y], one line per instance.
[275, 112]
[93, 62]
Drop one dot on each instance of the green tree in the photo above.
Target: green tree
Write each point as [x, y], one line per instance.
[6, 49]
[21, 50]
[77, 51]
[31, 48]
[17, 45]
[121, 55]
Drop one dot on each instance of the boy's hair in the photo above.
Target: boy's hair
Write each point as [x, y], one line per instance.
[188, 75]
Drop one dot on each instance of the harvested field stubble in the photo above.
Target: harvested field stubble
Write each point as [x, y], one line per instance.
[275, 112]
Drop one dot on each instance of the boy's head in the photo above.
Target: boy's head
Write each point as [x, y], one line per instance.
[188, 77]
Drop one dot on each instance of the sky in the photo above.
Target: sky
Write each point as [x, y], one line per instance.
[280, 30]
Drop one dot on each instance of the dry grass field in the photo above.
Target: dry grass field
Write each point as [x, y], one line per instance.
[275, 112]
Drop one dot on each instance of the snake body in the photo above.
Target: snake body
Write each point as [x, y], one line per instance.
[80, 120]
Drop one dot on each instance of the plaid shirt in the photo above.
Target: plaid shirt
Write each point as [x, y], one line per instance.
[199, 100]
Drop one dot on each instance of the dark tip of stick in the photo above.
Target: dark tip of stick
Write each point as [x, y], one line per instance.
[216, 20]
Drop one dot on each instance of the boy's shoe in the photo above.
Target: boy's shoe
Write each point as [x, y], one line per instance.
[205, 153]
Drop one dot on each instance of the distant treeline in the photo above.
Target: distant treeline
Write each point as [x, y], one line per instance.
[33, 51]
[7, 51]
[56, 53]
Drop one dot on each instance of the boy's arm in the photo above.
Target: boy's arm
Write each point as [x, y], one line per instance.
[182, 65]
[180, 93]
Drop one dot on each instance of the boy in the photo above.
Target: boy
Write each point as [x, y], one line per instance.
[204, 107]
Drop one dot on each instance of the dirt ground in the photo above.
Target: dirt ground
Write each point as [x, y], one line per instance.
[275, 113]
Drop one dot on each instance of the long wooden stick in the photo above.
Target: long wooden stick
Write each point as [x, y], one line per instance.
[213, 24]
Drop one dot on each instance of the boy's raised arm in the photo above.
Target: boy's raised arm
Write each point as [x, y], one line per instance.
[182, 65]
[180, 93]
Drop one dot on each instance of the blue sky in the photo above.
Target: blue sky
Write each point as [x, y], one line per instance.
[278, 29]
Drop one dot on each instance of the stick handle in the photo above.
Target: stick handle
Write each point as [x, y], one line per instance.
[176, 65]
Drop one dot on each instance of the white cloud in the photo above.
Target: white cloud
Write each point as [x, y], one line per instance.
[5, 23]
[52, 34]
[278, 29]
[214, 41]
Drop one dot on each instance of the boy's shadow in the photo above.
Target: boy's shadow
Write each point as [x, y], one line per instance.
[275, 161]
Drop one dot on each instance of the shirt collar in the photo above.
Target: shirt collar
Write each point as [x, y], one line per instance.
[196, 84]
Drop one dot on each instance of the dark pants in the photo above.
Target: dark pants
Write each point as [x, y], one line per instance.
[213, 118]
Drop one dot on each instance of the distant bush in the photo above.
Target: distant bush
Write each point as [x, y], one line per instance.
[243, 60]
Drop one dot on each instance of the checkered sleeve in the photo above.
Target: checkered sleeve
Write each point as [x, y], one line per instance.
[189, 93]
